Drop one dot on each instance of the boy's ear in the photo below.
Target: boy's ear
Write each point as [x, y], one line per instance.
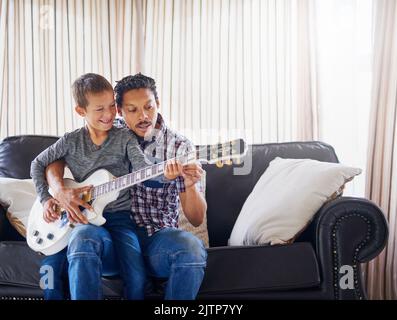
[80, 111]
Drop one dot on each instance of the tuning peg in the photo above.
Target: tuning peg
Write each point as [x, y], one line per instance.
[228, 162]
[219, 164]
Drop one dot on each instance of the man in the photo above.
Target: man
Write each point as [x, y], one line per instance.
[168, 252]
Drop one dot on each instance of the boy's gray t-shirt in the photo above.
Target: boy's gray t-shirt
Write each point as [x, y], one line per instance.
[83, 157]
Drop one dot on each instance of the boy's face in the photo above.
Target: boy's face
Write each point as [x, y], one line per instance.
[100, 111]
[140, 110]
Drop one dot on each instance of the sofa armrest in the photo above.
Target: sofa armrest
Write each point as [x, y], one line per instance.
[348, 231]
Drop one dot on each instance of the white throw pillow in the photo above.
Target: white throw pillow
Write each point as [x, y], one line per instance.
[286, 198]
[18, 197]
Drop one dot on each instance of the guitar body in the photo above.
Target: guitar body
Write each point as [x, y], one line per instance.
[50, 238]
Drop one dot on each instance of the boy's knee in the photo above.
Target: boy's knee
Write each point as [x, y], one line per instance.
[56, 261]
[86, 239]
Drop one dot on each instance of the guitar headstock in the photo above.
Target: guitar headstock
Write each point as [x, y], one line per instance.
[222, 153]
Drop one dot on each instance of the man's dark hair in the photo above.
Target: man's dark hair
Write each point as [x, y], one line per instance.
[138, 81]
[89, 83]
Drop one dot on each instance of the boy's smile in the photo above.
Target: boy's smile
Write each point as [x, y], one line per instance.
[100, 111]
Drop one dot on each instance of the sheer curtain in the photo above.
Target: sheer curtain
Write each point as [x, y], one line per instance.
[344, 76]
[381, 187]
[231, 66]
[224, 67]
[46, 44]
[275, 70]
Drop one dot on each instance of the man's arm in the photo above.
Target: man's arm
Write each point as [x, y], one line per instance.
[193, 203]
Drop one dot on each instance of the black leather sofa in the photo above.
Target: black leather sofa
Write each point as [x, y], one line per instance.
[346, 231]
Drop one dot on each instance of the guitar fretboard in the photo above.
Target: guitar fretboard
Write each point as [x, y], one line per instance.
[138, 176]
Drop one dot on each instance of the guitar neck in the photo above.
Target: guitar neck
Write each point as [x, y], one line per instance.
[208, 154]
[138, 176]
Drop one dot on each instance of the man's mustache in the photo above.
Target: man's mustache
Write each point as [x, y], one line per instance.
[144, 123]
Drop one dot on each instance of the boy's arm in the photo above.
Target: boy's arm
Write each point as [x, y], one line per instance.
[37, 169]
[136, 155]
[68, 198]
[54, 174]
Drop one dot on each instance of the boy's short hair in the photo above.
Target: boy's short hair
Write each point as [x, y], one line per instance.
[89, 83]
[137, 81]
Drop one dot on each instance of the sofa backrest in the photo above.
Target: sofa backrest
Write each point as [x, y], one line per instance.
[17, 152]
[226, 192]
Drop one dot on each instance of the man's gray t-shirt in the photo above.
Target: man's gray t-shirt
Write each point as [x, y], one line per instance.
[83, 157]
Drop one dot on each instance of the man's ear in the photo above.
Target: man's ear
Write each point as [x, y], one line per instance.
[80, 110]
[158, 104]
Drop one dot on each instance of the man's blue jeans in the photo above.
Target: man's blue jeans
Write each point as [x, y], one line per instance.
[94, 252]
[177, 255]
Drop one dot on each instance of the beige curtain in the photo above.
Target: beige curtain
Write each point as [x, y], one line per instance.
[46, 44]
[232, 67]
[225, 68]
[381, 187]
[307, 78]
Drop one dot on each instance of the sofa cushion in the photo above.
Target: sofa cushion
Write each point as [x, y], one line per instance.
[226, 191]
[285, 199]
[260, 268]
[19, 265]
[19, 273]
[265, 268]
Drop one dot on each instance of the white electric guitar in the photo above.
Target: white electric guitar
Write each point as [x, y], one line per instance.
[50, 238]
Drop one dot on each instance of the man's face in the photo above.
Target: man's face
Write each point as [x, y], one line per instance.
[100, 111]
[139, 110]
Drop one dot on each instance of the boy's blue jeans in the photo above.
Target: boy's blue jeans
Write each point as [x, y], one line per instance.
[94, 252]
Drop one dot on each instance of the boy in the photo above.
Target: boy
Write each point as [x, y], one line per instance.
[94, 251]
